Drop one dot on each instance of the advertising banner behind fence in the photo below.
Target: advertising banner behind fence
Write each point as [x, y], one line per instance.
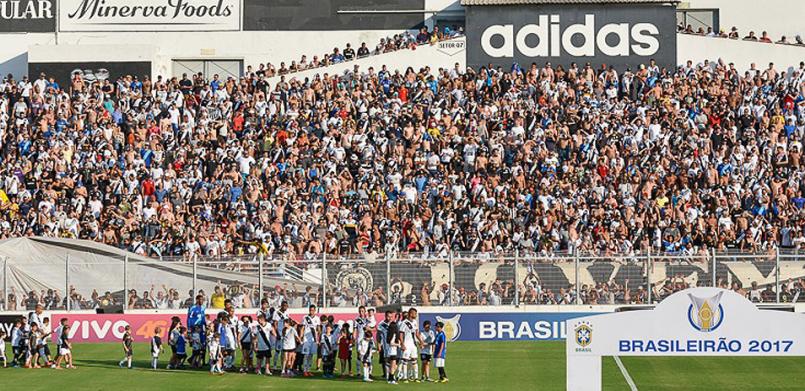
[149, 15]
[91, 328]
[7, 323]
[619, 36]
[497, 326]
[27, 16]
[503, 326]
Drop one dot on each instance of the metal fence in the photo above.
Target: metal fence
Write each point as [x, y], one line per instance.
[449, 279]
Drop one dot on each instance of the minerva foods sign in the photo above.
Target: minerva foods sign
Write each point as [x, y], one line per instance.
[149, 15]
[693, 322]
[617, 35]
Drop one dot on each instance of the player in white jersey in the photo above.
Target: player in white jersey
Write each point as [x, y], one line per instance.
[428, 339]
[310, 339]
[371, 325]
[366, 348]
[232, 335]
[410, 338]
[246, 342]
[391, 344]
[263, 333]
[3, 347]
[57, 337]
[382, 334]
[278, 320]
[359, 328]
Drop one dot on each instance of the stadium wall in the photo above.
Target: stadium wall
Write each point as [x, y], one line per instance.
[250, 31]
[777, 17]
[742, 53]
[445, 54]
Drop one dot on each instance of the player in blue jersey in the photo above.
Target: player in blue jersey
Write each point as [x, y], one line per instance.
[440, 351]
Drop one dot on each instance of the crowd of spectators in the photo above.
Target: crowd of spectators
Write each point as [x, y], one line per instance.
[540, 158]
[402, 41]
[734, 34]
[496, 293]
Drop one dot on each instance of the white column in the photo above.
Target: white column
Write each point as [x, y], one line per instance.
[583, 373]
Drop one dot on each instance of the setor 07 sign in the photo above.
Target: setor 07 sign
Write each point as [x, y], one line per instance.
[619, 36]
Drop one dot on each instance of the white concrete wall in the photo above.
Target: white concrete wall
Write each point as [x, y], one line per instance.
[742, 53]
[253, 47]
[425, 55]
[778, 17]
[14, 51]
[443, 5]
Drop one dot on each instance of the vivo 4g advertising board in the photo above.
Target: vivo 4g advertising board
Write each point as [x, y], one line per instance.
[502, 326]
[616, 35]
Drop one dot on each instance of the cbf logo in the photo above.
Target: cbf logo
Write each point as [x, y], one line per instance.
[584, 335]
[706, 313]
[452, 328]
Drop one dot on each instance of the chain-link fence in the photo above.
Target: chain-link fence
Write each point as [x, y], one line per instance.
[445, 279]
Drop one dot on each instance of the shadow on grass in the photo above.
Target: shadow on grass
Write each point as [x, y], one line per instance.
[145, 366]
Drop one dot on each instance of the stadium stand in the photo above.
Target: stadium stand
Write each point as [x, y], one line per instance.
[538, 160]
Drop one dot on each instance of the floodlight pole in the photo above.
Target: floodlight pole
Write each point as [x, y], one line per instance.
[260, 259]
[5, 283]
[516, 281]
[648, 275]
[777, 273]
[195, 273]
[324, 280]
[67, 282]
[576, 270]
[126, 281]
[450, 280]
[388, 278]
[713, 251]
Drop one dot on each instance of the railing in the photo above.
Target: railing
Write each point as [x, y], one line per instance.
[448, 279]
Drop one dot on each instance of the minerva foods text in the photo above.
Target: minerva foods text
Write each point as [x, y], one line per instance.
[149, 15]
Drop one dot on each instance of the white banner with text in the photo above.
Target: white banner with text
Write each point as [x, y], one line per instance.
[694, 322]
[149, 15]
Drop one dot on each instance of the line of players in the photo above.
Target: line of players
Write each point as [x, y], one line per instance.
[277, 343]
[30, 342]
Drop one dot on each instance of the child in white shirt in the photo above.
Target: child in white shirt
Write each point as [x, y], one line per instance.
[216, 361]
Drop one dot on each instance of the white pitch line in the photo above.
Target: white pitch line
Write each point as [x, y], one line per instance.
[625, 373]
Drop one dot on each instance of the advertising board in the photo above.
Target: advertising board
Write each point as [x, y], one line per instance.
[93, 328]
[503, 326]
[692, 322]
[616, 35]
[7, 323]
[27, 16]
[149, 15]
[467, 326]
[332, 15]
[62, 72]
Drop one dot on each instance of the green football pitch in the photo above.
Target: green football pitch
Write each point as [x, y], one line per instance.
[470, 365]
